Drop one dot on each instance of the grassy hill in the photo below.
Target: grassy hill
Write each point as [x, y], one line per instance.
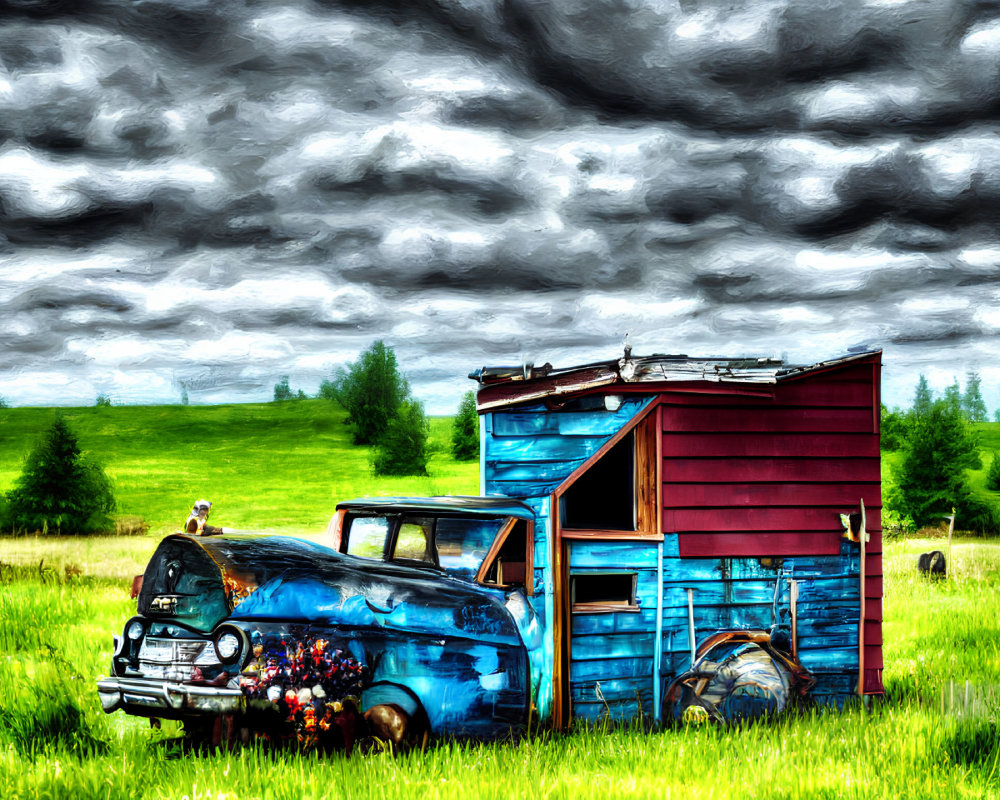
[264, 466]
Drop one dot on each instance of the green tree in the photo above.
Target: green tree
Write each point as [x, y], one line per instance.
[953, 396]
[327, 390]
[372, 390]
[893, 427]
[103, 401]
[282, 391]
[402, 448]
[59, 490]
[931, 477]
[993, 476]
[465, 429]
[3, 403]
[973, 405]
[922, 398]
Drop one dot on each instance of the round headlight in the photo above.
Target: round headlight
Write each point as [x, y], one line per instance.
[228, 646]
[135, 630]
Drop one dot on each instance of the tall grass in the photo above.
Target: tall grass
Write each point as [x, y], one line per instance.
[55, 742]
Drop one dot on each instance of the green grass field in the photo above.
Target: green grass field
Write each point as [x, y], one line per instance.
[265, 466]
[931, 737]
[282, 467]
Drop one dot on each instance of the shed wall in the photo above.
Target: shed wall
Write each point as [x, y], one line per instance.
[742, 476]
[753, 476]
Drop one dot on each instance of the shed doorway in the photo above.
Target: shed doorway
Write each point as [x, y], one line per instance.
[607, 512]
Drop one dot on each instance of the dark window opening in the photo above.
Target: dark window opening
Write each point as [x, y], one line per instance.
[510, 565]
[603, 591]
[603, 498]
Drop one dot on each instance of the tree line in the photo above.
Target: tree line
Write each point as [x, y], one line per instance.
[384, 414]
[938, 444]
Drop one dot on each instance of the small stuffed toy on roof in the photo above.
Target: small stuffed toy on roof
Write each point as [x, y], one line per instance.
[197, 519]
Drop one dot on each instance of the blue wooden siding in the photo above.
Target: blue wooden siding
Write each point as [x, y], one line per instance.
[612, 654]
[527, 454]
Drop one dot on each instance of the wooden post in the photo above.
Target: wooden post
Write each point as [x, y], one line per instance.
[793, 601]
[951, 529]
[691, 640]
[863, 540]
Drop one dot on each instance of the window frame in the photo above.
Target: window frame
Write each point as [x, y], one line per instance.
[494, 551]
[396, 520]
[645, 484]
[605, 606]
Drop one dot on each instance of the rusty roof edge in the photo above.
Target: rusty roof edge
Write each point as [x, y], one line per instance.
[640, 370]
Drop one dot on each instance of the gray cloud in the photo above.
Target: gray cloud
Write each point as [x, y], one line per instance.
[216, 194]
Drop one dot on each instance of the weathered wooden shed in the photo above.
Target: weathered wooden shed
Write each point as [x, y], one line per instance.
[675, 494]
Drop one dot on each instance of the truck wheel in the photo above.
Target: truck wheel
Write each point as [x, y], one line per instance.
[388, 722]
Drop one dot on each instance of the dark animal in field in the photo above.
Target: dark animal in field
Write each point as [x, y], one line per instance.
[933, 564]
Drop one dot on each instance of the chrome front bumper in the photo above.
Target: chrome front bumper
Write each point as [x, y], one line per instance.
[156, 698]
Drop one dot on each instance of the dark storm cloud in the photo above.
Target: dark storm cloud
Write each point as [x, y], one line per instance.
[215, 194]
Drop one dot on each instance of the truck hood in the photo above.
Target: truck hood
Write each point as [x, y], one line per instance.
[200, 581]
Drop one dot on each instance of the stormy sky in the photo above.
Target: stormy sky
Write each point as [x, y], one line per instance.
[213, 194]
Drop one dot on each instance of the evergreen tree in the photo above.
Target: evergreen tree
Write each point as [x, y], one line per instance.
[59, 490]
[953, 396]
[402, 449]
[993, 476]
[922, 398]
[973, 405]
[282, 391]
[372, 390]
[931, 477]
[893, 427]
[465, 430]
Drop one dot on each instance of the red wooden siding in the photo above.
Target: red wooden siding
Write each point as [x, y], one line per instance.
[755, 476]
[788, 466]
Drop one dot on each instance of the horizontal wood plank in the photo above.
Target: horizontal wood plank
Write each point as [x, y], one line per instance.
[783, 419]
[850, 389]
[700, 545]
[714, 495]
[800, 521]
[770, 445]
[750, 469]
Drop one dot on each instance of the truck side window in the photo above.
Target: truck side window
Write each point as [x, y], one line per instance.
[463, 543]
[366, 537]
[413, 540]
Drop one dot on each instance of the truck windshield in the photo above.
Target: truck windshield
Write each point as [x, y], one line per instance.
[456, 544]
